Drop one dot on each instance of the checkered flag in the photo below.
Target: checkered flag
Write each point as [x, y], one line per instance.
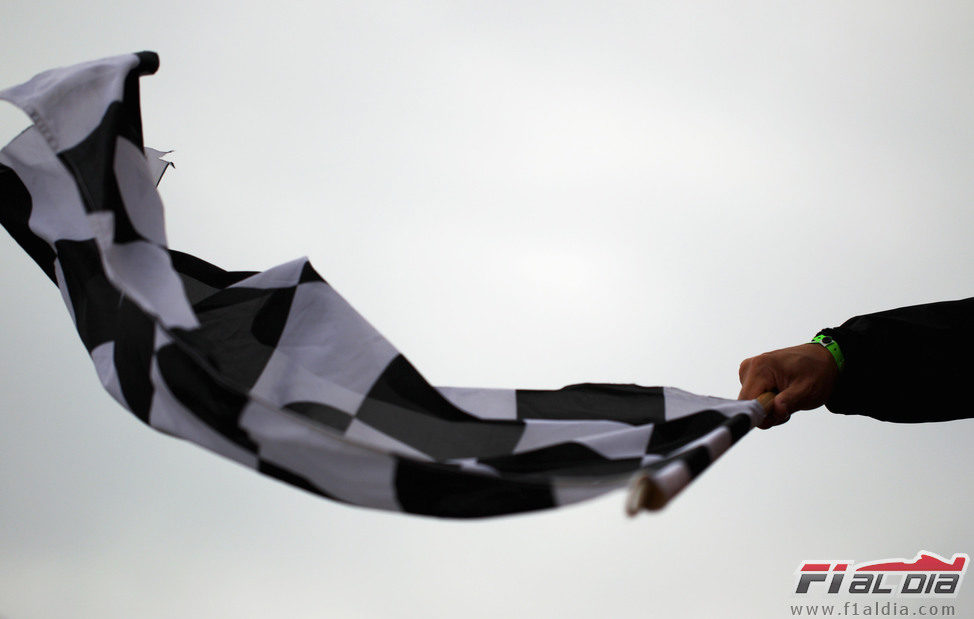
[277, 371]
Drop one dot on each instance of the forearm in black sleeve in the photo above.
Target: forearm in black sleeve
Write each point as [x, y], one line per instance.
[911, 364]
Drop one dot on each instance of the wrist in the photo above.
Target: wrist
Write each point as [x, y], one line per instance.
[828, 344]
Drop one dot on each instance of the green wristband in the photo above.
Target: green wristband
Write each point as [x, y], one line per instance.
[833, 347]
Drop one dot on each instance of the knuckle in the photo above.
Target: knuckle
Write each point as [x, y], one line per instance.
[743, 369]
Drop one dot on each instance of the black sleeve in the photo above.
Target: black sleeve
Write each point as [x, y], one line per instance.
[910, 365]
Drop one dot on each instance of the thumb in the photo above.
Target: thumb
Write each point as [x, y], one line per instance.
[778, 413]
[784, 402]
[794, 398]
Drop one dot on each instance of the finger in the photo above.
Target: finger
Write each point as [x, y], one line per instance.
[796, 397]
[744, 369]
[754, 384]
[773, 418]
[785, 404]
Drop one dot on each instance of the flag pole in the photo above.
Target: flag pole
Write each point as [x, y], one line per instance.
[647, 493]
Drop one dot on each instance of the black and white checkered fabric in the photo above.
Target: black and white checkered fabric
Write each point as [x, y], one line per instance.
[276, 370]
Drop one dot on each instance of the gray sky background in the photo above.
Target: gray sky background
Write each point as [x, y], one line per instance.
[517, 195]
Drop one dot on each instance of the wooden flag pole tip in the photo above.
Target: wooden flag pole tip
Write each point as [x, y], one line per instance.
[766, 400]
[644, 493]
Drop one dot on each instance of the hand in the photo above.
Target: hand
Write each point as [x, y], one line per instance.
[802, 375]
